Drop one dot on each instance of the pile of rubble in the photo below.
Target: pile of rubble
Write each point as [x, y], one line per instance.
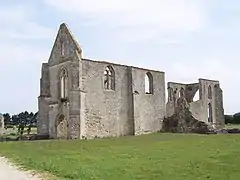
[183, 121]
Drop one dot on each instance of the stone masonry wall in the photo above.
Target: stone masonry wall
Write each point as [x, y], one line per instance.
[91, 111]
[219, 106]
[149, 109]
[42, 122]
[65, 54]
[209, 106]
[127, 110]
[1, 124]
[106, 111]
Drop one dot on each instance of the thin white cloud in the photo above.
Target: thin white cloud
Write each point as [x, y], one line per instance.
[17, 28]
[15, 53]
[160, 14]
[206, 68]
[17, 22]
[28, 31]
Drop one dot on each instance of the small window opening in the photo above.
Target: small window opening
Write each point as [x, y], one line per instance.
[210, 118]
[148, 83]
[209, 92]
[170, 94]
[63, 83]
[196, 96]
[109, 78]
[182, 93]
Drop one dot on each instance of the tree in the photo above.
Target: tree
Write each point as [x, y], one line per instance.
[7, 118]
[236, 118]
[21, 128]
[15, 120]
[229, 119]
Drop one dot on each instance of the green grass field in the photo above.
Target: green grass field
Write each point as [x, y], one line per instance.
[148, 157]
[13, 134]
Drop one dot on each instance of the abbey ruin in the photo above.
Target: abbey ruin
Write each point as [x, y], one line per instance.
[81, 98]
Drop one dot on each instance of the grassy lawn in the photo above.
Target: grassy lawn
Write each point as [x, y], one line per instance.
[33, 130]
[13, 134]
[148, 157]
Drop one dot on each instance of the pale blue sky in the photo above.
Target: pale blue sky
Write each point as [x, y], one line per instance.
[187, 39]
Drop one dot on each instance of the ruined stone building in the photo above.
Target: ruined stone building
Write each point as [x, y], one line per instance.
[204, 100]
[82, 98]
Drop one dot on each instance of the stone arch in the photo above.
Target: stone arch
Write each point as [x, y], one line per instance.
[109, 78]
[170, 94]
[182, 92]
[61, 126]
[209, 92]
[63, 85]
[148, 83]
[210, 115]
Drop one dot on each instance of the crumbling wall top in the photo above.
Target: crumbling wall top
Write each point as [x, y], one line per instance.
[116, 64]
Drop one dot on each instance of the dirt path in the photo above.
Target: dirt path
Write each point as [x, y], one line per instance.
[8, 171]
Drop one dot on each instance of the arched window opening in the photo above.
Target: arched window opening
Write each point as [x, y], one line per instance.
[148, 83]
[63, 83]
[178, 94]
[109, 78]
[170, 94]
[209, 92]
[210, 118]
[182, 93]
[196, 96]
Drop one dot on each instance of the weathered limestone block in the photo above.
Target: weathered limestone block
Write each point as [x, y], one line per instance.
[1, 124]
[182, 121]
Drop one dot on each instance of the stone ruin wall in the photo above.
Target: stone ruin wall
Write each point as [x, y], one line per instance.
[1, 124]
[89, 109]
[132, 111]
[204, 99]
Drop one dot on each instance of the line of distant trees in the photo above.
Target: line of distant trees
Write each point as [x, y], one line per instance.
[26, 119]
[232, 119]
[23, 118]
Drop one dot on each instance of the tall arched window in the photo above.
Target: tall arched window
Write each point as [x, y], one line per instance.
[209, 92]
[109, 78]
[170, 94]
[63, 83]
[148, 83]
[182, 92]
[210, 116]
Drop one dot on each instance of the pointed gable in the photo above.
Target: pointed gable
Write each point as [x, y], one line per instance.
[65, 47]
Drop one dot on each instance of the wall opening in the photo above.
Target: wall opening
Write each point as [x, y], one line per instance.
[61, 126]
[109, 78]
[210, 118]
[209, 92]
[148, 83]
[170, 94]
[63, 83]
[196, 96]
[182, 93]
